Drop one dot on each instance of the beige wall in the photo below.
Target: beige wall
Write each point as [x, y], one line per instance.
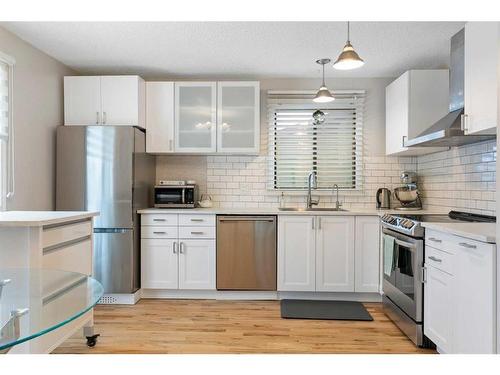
[38, 110]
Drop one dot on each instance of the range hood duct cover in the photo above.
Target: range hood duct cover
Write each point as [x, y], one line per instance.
[447, 132]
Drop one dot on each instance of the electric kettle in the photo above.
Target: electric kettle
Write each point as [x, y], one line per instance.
[383, 198]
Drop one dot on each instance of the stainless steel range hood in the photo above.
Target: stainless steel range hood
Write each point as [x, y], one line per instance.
[448, 131]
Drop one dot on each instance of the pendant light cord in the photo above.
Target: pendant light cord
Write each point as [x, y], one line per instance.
[348, 34]
[323, 75]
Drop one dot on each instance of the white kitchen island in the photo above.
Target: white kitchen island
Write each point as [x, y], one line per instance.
[60, 240]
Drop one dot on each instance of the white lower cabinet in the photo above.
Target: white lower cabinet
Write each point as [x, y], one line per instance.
[438, 308]
[367, 254]
[296, 253]
[197, 264]
[181, 261]
[159, 264]
[335, 254]
[328, 253]
[460, 294]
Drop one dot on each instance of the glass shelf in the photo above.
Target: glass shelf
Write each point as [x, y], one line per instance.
[34, 302]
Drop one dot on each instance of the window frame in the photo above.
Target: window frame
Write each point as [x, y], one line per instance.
[7, 145]
[302, 100]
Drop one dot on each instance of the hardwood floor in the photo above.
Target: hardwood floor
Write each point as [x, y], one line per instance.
[211, 326]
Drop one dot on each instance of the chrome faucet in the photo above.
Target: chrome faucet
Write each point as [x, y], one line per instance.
[337, 203]
[312, 182]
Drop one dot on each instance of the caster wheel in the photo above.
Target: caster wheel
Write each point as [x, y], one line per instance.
[92, 340]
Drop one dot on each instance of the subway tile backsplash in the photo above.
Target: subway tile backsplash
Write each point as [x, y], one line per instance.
[462, 178]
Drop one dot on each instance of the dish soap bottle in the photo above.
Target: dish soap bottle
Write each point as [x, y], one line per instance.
[282, 200]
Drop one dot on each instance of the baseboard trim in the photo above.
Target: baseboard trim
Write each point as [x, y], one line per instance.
[255, 295]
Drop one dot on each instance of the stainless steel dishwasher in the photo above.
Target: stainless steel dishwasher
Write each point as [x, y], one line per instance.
[246, 252]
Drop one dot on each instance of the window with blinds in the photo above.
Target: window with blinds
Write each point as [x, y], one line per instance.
[299, 145]
[5, 126]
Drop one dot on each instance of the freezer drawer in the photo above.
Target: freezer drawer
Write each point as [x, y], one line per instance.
[116, 260]
[246, 253]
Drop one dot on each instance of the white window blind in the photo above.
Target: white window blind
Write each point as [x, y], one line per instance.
[297, 145]
[6, 151]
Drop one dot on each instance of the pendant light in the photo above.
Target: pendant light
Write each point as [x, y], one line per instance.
[348, 58]
[323, 95]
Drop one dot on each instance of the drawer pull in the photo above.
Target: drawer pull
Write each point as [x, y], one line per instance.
[198, 220]
[435, 259]
[468, 246]
[159, 232]
[197, 233]
[435, 240]
[159, 220]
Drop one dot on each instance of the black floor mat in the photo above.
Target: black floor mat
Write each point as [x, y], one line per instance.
[323, 310]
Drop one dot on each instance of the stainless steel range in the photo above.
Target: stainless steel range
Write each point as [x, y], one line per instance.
[403, 263]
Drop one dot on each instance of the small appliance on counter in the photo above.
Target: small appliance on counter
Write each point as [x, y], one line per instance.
[175, 194]
[383, 198]
[205, 201]
[408, 195]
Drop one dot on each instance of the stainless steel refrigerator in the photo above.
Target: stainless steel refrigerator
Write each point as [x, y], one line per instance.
[106, 169]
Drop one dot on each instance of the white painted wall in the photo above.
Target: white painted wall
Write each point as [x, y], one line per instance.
[38, 110]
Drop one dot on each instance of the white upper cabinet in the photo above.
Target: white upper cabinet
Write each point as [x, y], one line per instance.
[296, 253]
[82, 100]
[123, 100]
[414, 102]
[195, 117]
[238, 117]
[367, 254]
[481, 77]
[335, 254]
[159, 117]
[104, 100]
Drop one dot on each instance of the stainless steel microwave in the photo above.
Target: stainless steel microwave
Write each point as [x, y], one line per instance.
[176, 196]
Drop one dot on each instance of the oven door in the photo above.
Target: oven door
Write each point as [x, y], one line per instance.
[171, 196]
[404, 286]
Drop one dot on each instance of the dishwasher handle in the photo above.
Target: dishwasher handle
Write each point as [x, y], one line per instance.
[270, 219]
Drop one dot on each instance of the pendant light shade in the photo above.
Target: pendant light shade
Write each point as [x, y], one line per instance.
[348, 58]
[323, 95]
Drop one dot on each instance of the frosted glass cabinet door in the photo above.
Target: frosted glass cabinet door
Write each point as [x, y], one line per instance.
[195, 117]
[238, 117]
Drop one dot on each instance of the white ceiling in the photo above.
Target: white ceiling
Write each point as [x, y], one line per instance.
[238, 49]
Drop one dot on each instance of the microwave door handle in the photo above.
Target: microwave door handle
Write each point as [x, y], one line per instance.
[183, 196]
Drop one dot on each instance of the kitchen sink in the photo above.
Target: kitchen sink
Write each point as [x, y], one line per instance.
[298, 209]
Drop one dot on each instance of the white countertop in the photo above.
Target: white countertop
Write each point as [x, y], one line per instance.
[484, 232]
[276, 211]
[41, 218]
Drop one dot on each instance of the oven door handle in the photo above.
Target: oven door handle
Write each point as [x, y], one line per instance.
[406, 244]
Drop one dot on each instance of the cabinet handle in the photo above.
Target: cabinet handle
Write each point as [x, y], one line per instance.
[468, 246]
[158, 219]
[200, 220]
[181, 248]
[403, 141]
[97, 118]
[170, 145]
[462, 121]
[313, 220]
[174, 247]
[435, 259]
[159, 232]
[435, 240]
[196, 232]
[104, 117]
[319, 223]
